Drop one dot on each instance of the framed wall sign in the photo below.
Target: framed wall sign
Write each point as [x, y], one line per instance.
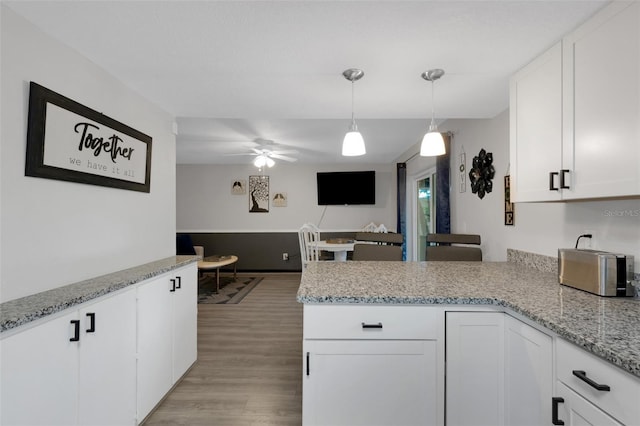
[69, 141]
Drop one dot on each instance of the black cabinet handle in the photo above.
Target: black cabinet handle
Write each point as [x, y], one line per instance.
[583, 376]
[92, 322]
[76, 331]
[173, 285]
[551, 186]
[179, 279]
[378, 325]
[308, 363]
[554, 410]
[562, 182]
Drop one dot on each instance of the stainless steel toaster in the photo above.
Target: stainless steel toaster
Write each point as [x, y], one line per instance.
[598, 272]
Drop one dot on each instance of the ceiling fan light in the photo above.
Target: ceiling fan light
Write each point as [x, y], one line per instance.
[260, 161]
[432, 144]
[353, 144]
[270, 162]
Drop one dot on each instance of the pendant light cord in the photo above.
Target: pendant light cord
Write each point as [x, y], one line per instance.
[353, 120]
[433, 108]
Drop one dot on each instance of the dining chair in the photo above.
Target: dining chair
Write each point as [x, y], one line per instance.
[308, 237]
[367, 251]
[453, 247]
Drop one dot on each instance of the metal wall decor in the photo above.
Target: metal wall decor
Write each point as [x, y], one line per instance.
[259, 194]
[481, 173]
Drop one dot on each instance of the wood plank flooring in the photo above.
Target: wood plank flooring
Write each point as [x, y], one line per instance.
[249, 368]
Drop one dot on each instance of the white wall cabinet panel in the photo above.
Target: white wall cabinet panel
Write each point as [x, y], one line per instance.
[475, 368]
[602, 104]
[75, 369]
[185, 320]
[370, 382]
[528, 374]
[40, 375]
[536, 128]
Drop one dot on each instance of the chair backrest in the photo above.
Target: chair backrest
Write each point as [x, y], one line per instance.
[199, 251]
[380, 237]
[444, 250]
[308, 237]
[377, 252]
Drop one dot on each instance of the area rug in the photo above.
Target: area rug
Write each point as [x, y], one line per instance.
[231, 291]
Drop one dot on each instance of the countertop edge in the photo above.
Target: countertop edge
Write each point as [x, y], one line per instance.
[19, 312]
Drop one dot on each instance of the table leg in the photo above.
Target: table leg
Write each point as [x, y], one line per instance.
[340, 256]
[217, 280]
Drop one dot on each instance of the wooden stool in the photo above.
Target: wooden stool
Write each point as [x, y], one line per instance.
[216, 262]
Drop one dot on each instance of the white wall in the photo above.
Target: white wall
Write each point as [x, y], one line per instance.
[53, 232]
[539, 227]
[205, 202]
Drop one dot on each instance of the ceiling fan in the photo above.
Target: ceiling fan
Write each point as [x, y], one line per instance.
[265, 154]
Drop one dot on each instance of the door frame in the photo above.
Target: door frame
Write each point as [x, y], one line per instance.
[412, 206]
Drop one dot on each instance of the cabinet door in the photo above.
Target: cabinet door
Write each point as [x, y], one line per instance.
[369, 382]
[155, 347]
[108, 361]
[574, 410]
[475, 368]
[185, 320]
[536, 127]
[39, 375]
[528, 374]
[602, 104]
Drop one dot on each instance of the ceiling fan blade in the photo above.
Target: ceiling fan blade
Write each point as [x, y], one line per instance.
[283, 157]
[233, 155]
[285, 152]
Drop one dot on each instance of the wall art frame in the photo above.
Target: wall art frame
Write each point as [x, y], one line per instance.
[280, 199]
[72, 142]
[259, 194]
[239, 187]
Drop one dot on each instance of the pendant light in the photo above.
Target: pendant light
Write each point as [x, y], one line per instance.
[353, 144]
[432, 142]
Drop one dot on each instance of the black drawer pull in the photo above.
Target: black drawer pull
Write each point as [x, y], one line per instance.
[378, 325]
[179, 285]
[562, 181]
[92, 322]
[173, 285]
[308, 367]
[551, 185]
[583, 376]
[554, 410]
[76, 331]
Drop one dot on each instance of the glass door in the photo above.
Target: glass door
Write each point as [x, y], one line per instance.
[425, 212]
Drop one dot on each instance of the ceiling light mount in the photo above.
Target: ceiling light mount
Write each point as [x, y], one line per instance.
[353, 143]
[432, 142]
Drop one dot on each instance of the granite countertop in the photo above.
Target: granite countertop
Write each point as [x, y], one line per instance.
[607, 327]
[15, 313]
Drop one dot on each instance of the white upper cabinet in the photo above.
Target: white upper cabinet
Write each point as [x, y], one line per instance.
[602, 101]
[536, 128]
[575, 113]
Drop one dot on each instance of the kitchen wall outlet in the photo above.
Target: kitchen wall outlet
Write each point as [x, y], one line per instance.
[285, 256]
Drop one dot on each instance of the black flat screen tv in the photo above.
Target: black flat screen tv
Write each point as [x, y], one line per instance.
[346, 188]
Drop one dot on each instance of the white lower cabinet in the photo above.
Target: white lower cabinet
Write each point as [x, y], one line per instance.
[76, 369]
[372, 365]
[167, 334]
[475, 368]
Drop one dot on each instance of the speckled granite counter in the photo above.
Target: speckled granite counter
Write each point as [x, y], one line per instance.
[30, 308]
[607, 327]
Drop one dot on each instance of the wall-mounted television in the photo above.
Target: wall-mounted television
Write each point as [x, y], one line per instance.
[346, 188]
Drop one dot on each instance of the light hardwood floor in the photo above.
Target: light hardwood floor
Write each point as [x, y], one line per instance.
[249, 368]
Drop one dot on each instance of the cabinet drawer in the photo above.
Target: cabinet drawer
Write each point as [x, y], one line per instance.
[620, 402]
[371, 322]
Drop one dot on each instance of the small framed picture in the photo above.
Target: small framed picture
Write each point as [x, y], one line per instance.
[280, 199]
[258, 194]
[509, 213]
[239, 187]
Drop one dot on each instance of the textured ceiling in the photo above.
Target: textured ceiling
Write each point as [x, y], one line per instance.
[237, 71]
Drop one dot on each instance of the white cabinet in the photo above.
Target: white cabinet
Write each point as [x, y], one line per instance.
[78, 368]
[602, 104]
[535, 110]
[575, 113]
[528, 374]
[570, 409]
[475, 368]
[372, 365]
[167, 334]
[592, 391]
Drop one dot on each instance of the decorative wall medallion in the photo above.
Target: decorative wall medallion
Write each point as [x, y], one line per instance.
[239, 187]
[481, 173]
[259, 194]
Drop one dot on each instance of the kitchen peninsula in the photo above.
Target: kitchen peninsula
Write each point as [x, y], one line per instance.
[532, 325]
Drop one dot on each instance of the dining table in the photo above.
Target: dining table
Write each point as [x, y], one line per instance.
[339, 248]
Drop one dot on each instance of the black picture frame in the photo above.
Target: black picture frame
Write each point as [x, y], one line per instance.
[109, 168]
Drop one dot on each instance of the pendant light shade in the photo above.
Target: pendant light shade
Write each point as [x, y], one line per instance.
[353, 143]
[432, 142]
